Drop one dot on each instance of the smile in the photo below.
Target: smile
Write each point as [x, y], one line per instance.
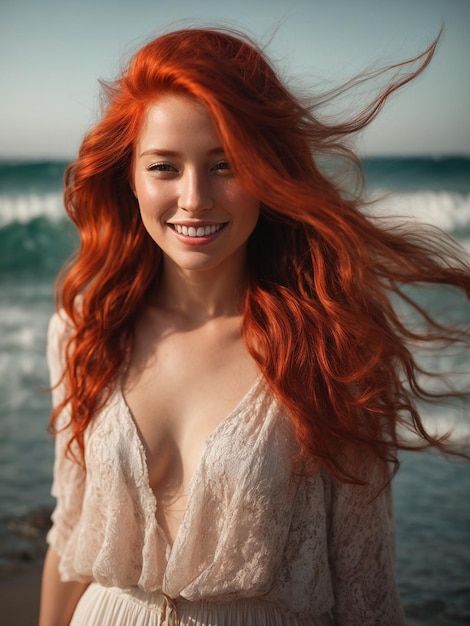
[199, 231]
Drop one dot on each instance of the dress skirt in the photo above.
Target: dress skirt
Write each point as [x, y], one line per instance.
[111, 606]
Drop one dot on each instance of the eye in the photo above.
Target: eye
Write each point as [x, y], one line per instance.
[221, 166]
[161, 167]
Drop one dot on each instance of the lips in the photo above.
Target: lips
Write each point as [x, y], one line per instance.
[197, 231]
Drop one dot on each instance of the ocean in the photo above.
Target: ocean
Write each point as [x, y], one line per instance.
[432, 495]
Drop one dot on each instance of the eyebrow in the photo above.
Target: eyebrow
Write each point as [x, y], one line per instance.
[173, 153]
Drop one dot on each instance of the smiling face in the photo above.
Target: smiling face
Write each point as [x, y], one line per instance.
[191, 205]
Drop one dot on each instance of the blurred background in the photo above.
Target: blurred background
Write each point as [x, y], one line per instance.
[52, 54]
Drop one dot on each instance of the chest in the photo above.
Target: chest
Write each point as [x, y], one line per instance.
[179, 389]
[245, 462]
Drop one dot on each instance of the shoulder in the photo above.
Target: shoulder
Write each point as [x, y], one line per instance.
[61, 326]
[59, 332]
[59, 329]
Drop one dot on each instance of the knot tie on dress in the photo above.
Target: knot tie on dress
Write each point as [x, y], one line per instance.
[169, 615]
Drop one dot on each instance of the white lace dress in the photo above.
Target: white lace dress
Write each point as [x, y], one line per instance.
[255, 546]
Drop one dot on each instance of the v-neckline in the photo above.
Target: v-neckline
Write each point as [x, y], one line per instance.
[143, 454]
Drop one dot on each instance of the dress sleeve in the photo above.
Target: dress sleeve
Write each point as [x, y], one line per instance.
[68, 476]
[362, 552]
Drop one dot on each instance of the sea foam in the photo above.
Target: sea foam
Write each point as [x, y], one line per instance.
[448, 211]
[23, 208]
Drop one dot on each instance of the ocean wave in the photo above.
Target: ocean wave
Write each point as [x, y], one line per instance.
[418, 173]
[35, 247]
[456, 428]
[449, 211]
[446, 210]
[24, 207]
[36, 237]
[31, 176]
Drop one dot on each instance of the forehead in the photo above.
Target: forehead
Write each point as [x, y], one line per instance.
[176, 118]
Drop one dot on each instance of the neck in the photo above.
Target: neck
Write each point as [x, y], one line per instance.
[202, 295]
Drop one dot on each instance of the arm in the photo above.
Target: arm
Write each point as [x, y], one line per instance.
[58, 599]
[362, 551]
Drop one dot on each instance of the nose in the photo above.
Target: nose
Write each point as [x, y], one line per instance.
[195, 193]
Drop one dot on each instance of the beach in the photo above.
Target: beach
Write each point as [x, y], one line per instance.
[19, 595]
[22, 552]
[432, 504]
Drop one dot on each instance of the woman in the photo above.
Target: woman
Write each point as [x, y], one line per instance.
[229, 373]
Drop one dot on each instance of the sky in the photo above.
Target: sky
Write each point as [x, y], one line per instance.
[52, 53]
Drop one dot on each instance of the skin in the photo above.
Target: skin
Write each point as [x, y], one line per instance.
[182, 178]
[189, 367]
[58, 599]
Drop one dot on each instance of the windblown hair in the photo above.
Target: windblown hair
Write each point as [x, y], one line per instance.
[317, 315]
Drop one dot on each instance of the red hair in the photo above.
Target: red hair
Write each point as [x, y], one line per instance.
[317, 315]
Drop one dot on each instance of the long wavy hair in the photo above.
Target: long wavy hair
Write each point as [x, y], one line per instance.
[317, 316]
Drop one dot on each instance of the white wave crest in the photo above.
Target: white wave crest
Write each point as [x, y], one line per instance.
[456, 427]
[446, 210]
[25, 207]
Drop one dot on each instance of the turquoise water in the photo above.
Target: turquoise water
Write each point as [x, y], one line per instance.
[432, 500]
[34, 239]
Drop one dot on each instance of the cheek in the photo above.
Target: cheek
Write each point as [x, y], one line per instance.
[248, 209]
[244, 204]
[143, 192]
[151, 200]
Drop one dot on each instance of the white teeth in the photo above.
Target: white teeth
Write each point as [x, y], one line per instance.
[200, 231]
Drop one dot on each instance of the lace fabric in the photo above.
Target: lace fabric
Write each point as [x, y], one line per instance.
[250, 530]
